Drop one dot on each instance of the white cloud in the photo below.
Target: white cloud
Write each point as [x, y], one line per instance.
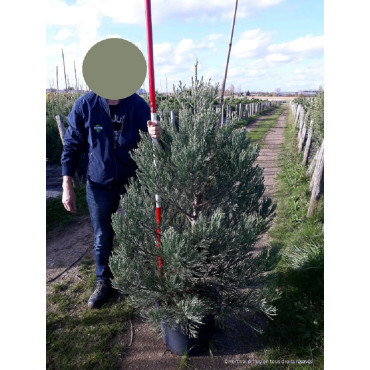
[129, 12]
[277, 57]
[252, 43]
[257, 44]
[303, 46]
[63, 34]
[133, 11]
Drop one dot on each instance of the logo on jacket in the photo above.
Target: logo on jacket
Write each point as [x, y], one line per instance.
[98, 128]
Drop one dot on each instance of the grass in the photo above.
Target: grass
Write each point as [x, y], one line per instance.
[297, 281]
[80, 338]
[257, 134]
[58, 216]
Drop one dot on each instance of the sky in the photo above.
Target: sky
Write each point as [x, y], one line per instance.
[277, 44]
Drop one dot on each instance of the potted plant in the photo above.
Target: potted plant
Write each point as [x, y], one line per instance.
[213, 213]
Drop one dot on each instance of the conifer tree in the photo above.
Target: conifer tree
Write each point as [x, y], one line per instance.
[213, 213]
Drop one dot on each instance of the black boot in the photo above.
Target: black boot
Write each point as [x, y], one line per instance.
[100, 295]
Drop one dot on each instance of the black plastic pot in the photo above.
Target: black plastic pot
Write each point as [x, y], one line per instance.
[179, 343]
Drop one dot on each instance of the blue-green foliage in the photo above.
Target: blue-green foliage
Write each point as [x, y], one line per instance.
[213, 212]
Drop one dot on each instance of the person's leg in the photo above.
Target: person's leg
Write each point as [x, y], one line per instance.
[102, 204]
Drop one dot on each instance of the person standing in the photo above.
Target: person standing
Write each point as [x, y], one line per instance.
[106, 130]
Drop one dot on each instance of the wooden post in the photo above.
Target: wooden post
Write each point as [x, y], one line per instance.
[74, 65]
[61, 127]
[302, 138]
[308, 144]
[303, 132]
[65, 76]
[229, 111]
[316, 181]
[173, 119]
[57, 83]
[297, 115]
[312, 164]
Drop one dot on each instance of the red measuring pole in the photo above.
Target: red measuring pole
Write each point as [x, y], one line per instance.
[153, 108]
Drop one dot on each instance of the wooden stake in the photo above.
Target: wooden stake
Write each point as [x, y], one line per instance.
[308, 144]
[74, 65]
[227, 62]
[57, 83]
[316, 181]
[65, 76]
[61, 127]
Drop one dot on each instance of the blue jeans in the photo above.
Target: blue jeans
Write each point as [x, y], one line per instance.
[102, 203]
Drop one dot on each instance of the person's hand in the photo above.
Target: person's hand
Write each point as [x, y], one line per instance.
[69, 197]
[155, 129]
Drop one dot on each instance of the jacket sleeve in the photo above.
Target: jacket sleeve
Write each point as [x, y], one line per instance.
[75, 140]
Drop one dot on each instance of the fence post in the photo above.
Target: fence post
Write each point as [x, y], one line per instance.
[297, 115]
[240, 111]
[173, 120]
[316, 181]
[308, 144]
[303, 133]
[61, 127]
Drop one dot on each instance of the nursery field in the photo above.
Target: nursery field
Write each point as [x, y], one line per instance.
[114, 337]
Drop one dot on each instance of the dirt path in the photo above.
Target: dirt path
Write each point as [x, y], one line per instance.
[148, 350]
[63, 248]
[268, 160]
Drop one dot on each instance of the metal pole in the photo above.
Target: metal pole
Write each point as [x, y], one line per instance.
[153, 108]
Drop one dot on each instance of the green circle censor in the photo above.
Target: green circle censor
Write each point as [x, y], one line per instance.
[114, 68]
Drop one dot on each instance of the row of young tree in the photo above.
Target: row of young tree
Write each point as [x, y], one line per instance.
[62, 103]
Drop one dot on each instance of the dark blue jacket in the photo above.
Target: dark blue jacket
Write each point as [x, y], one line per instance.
[90, 131]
